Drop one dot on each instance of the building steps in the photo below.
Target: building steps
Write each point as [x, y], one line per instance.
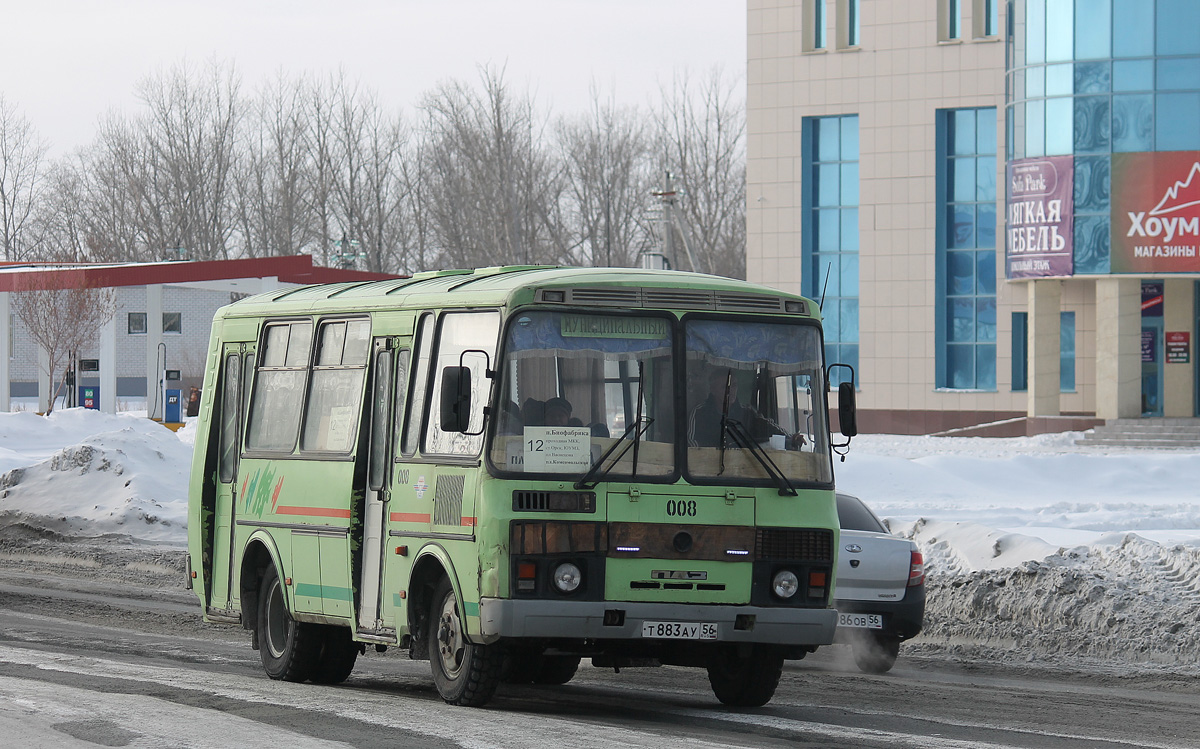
[1154, 433]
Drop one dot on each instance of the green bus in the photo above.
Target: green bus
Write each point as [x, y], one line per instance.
[505, 470]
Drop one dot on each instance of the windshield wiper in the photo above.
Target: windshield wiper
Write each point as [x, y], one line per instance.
[594, 475]
[638, 427]
[738, 432]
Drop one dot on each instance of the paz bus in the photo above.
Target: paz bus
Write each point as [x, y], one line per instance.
[505, 470]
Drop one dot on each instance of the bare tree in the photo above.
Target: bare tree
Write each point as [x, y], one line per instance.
[190, 132]
[271, 186]
[701, 129]
[22, 181]
[606, 155]
[492, 184]
[63, 320]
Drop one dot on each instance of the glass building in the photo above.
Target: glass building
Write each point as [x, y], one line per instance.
[1013, 238]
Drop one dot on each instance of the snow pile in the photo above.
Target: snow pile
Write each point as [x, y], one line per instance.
[85, 474]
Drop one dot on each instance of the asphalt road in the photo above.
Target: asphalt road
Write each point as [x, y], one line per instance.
[95, 655]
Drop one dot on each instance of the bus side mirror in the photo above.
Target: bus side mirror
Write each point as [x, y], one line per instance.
[847, 410]
[456, 399]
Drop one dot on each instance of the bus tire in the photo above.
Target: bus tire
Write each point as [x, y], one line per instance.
[288, 648]
[339, 651]
[464, 673]
[745, 679]
[557, 669]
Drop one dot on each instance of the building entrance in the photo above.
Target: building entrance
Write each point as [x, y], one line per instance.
[1152, 348]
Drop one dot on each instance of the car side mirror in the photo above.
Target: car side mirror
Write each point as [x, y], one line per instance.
[455, 413]
[847, 409]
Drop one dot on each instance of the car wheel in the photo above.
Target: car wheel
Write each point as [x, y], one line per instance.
[876, 653]
[464, 673]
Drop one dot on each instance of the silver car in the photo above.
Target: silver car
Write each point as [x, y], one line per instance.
[880, 594]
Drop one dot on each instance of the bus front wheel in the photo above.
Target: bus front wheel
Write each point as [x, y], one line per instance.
[288, 648]
[745, 676]
[464, 673]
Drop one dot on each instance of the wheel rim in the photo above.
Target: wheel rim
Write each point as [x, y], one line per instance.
[450, 643]
[278, 621]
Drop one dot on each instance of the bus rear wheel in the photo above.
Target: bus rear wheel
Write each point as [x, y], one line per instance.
[745, 676]
[464, 673]
[288, 648]
[338, 653]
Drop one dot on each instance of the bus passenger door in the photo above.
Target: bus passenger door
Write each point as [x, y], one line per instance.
[379, 463]
[230, 419]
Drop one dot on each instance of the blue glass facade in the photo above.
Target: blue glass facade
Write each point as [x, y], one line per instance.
[1091, 78]
[967, 248]
[830, 233]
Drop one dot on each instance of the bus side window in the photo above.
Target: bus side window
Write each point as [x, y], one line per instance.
[412, 429]
[335, 393]
[401, 388]
[467, 339]
[278, 387]
[230, 401]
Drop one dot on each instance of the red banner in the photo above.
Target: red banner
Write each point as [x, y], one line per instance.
[1156, 212]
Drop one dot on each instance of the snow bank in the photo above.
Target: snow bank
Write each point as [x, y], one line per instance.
[85, 474]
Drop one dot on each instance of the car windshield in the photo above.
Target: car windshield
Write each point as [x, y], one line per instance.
[572, 384]
[756, 402]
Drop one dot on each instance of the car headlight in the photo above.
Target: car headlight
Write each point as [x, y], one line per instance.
[567, 577]
[785, 584]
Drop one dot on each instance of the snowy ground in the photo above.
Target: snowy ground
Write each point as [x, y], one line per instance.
[1037, 549]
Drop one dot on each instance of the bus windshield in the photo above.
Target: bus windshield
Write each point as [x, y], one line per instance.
[573, 384]
[756, 402]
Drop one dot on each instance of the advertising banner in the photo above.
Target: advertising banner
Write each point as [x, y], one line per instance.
[1040, 217]
[1156, 212]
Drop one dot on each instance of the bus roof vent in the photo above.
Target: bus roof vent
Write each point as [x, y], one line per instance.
[679, 298]
[606, 297]
[748, 302]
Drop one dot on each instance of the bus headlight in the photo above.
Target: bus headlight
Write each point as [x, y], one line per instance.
[785, 583]
[567, 577]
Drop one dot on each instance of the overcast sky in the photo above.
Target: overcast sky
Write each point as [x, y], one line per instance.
[66, 62]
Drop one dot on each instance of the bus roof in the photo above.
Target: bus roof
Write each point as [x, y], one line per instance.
[515, 285]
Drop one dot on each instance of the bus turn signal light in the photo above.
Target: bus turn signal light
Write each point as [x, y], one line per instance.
[526, 576]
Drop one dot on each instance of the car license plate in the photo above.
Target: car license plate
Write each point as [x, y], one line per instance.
[861, 621]
[680, 630]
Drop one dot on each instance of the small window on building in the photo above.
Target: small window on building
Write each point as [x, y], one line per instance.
[847, 23]
[986, 18]
[137, 323]
[949, 20]
[172, 322]
[1066, 352]
[814, 25]
[1020, 351]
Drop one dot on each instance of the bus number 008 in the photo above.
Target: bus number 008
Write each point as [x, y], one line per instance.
[679, 508]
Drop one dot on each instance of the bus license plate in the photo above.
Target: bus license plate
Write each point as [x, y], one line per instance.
[861, 621]
[680, 630]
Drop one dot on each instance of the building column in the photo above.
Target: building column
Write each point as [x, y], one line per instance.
[1045, 347]
[1118, 348]
[5, 347]
[154, 337]
[1178, 317]
[108, 366]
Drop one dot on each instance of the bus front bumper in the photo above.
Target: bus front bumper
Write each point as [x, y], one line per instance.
[620, 620]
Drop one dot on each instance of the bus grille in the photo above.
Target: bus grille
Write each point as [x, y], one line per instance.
[810, 544]
[532, 501]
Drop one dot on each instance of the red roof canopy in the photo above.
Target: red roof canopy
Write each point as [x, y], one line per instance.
[297, 269]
